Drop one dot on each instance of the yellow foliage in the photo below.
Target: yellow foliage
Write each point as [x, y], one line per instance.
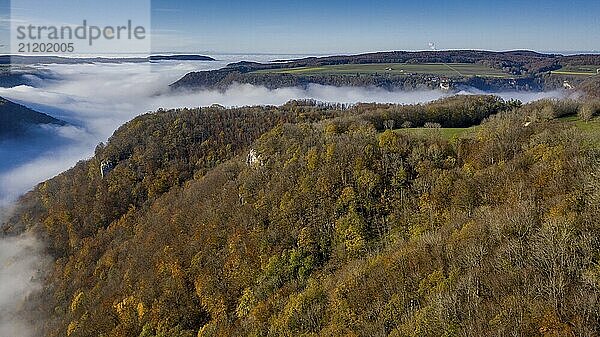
[552, 326]
[141, 310]
[306, 240]
[468, 231]
[171, 267]
[468, 168]
[45, 199]
[71, 328]
[331, 129]
[330, 152]
[76, 301]
[354, 241]
[347, 197]
[388, 140]
[312, 159]
[245, 304]
[123, 308]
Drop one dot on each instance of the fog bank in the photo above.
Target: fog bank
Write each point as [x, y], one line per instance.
[21, 265]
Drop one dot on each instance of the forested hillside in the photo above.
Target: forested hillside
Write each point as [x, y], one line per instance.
[522, 71]
[16, 119]
[324, 220]
[591, 87]
[223, 79]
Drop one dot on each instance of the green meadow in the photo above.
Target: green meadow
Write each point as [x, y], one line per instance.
[583, 70]
[440, 69]
[590, 129]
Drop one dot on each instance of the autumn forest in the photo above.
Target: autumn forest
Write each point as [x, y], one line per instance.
[314, 219]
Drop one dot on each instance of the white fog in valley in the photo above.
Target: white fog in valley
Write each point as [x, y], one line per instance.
[21, 266]
[98, 98]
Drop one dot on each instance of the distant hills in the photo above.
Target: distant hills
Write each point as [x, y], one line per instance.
[522, 70]
[14, 69]
[23, 59]
[15, 75]
[16, 119]
[180, 58]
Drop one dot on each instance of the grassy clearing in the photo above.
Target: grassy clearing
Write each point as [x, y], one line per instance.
[584, 70]
[591, 128]
[445, 133]
[440, 69]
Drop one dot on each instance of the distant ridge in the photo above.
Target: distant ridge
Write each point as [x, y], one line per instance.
[523, 69]
[180, 58]
[16, 119]
[27, 59]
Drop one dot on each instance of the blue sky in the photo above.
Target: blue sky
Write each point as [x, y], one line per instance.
[311, 26]
[351, 26]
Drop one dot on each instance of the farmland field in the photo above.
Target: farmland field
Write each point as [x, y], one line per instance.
[440, 69]
[584, 70]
